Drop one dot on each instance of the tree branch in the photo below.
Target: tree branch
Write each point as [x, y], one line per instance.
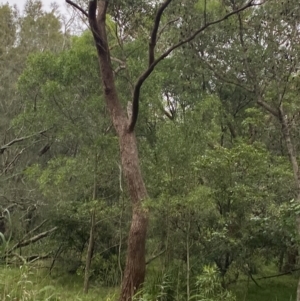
[13, 161]
[155, 256]
[31, 258]
[278, 275]
[145, 75]
[31, 240]
[267, 107]
[165, 26]
[77, 7]
[152, 44]
[36, 228]
[93, 22]
[4, 147]
[223, 77]
[153, 37]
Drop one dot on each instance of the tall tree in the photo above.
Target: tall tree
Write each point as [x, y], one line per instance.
[124, 124]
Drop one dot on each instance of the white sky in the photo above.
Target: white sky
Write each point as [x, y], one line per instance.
[77, 26]
[46, 3]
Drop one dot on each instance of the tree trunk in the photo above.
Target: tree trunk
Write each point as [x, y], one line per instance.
[293, 159]
[134, 273]
[89, 254]
[291, 258]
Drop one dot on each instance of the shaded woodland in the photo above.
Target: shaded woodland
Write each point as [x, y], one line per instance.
[154, 151]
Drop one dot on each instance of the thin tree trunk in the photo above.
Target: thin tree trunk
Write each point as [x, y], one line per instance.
[90, 250]
[89, 254]
[188, 269]
[121, 221]
[290, 148]
[293, 159]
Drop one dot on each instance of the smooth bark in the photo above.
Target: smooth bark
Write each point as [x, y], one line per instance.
[134, 273]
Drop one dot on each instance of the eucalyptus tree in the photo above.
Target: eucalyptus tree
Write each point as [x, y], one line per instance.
[153, 20]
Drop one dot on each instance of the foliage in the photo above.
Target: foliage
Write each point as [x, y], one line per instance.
[222, 196]
[210, 287]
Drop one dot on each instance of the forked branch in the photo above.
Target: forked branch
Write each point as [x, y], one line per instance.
[153, 37]
[149, 70]
[152, 44]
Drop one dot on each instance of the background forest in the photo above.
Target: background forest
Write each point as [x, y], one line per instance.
[217, 136]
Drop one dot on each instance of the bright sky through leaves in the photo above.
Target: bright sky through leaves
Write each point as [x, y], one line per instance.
[21, 3]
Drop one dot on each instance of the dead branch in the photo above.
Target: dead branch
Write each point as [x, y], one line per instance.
[34, 258]
[4, 147]
[36, 228]
[19, 257]
[155, 256]
[278, 275]
[31, 258]
[117, 60]
[31, 240]
[13, 161]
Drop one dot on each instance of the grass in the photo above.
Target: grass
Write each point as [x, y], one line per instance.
[282, 288]
[34, 284]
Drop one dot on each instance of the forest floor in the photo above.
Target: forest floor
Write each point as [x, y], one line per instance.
[35, 284]
[277, 288]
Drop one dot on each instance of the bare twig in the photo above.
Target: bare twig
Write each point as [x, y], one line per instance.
[204, 12]
[13, 161]
[34, 258]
